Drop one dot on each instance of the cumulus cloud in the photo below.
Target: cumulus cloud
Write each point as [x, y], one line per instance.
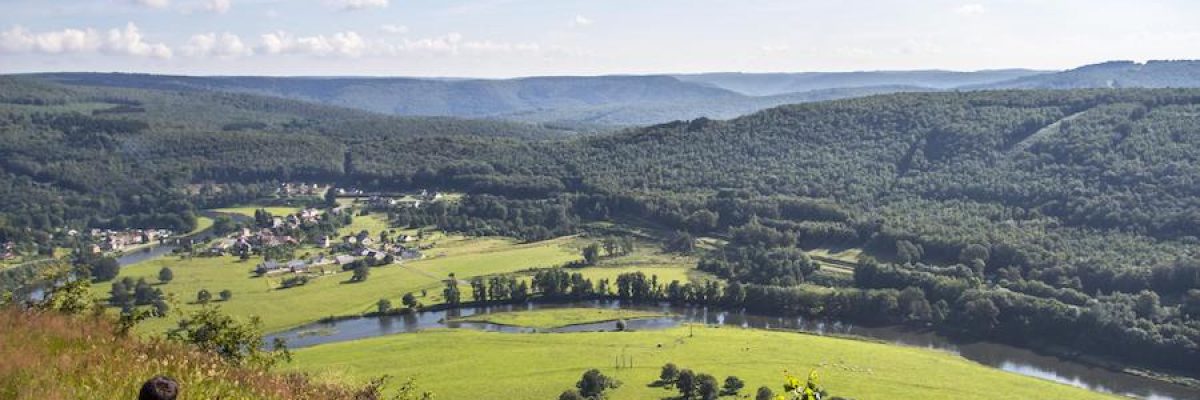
[359, 4]
[153, 3]
[393, 29]
[129, 41]
[580, 21]
[20, 40]
[970, 9]
[225, 45]
[342, 43]
[126, 41]
[218, 6]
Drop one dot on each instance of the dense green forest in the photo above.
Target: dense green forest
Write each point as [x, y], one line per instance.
[75, 157]
[1113, 74]
[1028, 216]
[1023, 212]
[580, 103]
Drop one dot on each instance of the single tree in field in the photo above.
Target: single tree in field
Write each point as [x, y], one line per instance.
[669, 374]
[361, 273]
[165, 275]
[733, 385]
[764, 393]
[591, 254]
[225, 295]
[686, 383]
[409, 300]
[707, 387]
[384, 305]
[204, 296]
[451, 292]
[593, 384]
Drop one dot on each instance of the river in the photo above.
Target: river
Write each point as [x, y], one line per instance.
[1005, 357]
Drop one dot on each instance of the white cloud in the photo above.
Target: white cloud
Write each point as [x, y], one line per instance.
[448, 43]
[580, 21]
[127, 41]
[21, 40]
[153, 3]
[393, 29]
[358, 4]
[970, 9]
[218, 6]
[341, 43]
[225, 45]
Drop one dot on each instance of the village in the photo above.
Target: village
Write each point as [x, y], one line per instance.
[314, 242]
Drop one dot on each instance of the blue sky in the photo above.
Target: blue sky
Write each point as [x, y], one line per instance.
[505, 38]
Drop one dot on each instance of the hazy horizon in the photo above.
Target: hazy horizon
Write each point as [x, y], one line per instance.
[521, 38]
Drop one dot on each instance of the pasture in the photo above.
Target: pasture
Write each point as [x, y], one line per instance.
[462, 364]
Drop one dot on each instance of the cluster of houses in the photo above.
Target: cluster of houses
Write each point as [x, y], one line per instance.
[329, 264]
[300, 189]
[246, 240]
[378, 201]
[344, 250]
[106, 240]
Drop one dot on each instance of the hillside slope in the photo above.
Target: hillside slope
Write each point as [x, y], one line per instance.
[52, 356]
[1115, 74]
[576, 102]
[770, 84]
[73, 155]
[1111, 185]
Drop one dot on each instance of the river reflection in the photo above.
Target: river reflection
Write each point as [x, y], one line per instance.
[1008, 358]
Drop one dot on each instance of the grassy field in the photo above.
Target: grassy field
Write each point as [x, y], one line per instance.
[203, 223]
[330, 295]
[460, 364]
[559, 317]
[249, 210]
[836, 260]
[665, 273]
[373, 224]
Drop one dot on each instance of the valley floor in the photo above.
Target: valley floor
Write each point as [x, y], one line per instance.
[462, 364]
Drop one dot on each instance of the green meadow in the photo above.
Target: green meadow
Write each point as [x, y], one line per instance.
[333, 295]
[559, 317]
[249, 210]
[466, 364]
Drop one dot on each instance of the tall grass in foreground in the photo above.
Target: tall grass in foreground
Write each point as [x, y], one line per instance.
[46, 355]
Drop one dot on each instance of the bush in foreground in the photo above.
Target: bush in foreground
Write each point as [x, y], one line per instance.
[67, 348]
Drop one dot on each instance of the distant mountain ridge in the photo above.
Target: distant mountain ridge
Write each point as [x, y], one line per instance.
[1113, 74]
[782, 83]
[584, 103]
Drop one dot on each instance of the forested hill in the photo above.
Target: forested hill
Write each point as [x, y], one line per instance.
[600, 103]
[1062, 217]
[769, 84]
[1085, 179]
[95, 157]
[579, 103]
[1116, 74]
